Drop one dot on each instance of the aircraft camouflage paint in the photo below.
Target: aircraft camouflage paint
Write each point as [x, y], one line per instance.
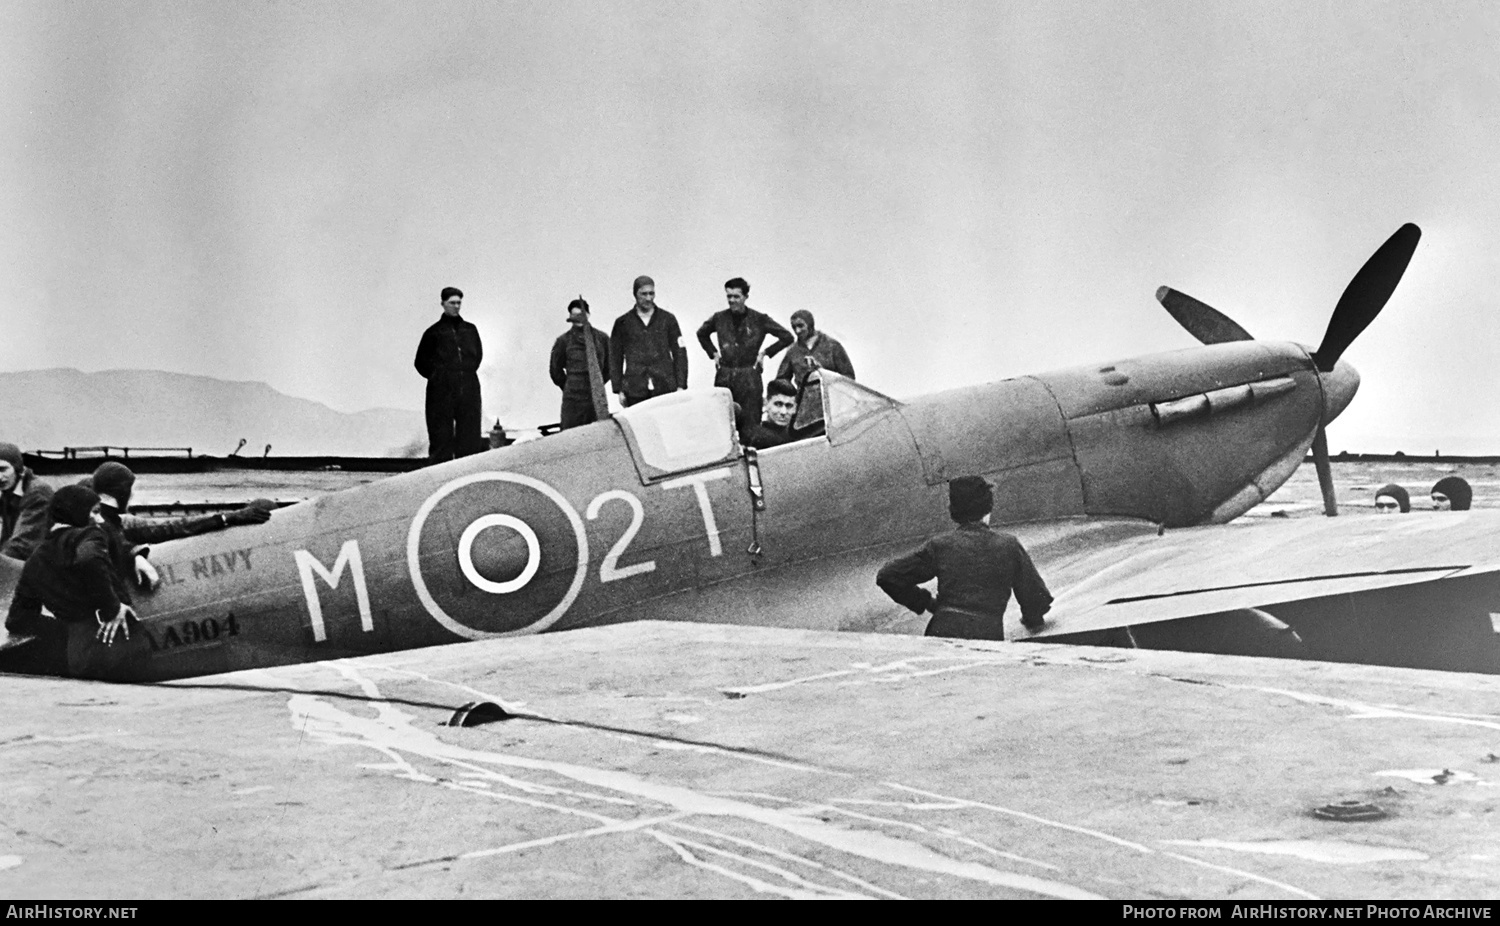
[660, 514]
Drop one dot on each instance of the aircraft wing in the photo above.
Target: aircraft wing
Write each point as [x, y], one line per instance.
[1347, 585]
[1107, 575]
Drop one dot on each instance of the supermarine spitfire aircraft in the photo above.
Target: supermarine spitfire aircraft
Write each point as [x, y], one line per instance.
[1119, 478]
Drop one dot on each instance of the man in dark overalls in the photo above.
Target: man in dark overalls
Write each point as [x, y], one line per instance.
[976, 568]
[448, 358]
[646, 356]
[570, 367]
[739, 356]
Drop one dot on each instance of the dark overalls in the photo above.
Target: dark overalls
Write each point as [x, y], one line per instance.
[740, 338]
[569, 370]
[448, 357]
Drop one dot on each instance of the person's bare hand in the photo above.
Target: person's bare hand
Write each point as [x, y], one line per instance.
[108, 631]
[145, 573]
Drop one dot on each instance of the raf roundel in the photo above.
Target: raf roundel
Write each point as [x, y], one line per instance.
[496, 554]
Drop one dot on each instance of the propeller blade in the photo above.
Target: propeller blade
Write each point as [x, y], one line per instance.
[1201, 320]
[1367, 294]
[1325, 472]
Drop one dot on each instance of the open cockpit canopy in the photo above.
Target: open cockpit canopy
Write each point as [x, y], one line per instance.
[680, 431]
[694, 428]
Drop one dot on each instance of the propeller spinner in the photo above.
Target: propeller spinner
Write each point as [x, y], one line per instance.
[1362, 300]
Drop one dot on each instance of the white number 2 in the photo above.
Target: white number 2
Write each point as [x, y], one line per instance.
[608, 570]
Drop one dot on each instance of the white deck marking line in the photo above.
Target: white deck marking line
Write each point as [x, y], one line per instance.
[1146, 850]
[624, 826]
[1362, 711]
[1397, 707]
[905, 805]
[1114, 839]
[863, 669]
[394, 730]
[532, 787]
[607, 825]
[870, 818]
[911, 675]
[954, 834]
[774, 686]
[949, 833]
[1244, 874]
[756, 794]
[791, 857]
[791, 876]
[468, 788]
[755, 884]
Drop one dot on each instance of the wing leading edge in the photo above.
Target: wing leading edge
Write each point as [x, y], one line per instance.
[1418, 569]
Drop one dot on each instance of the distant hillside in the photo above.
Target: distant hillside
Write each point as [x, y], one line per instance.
[51, 409]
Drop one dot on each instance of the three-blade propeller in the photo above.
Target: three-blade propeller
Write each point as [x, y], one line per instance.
[1362, 300]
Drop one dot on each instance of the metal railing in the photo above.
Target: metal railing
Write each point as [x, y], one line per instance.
[108, 450]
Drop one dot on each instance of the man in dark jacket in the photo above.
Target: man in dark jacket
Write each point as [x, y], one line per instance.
[448, 358]
[976, 567]
[114, 482]
[741, 353]
[23, 505]
[814, 350]
[571, 364]
[142, 531]
[646, 356]
[72, 573]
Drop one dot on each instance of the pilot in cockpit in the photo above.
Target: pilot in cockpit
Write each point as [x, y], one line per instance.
[776, 429]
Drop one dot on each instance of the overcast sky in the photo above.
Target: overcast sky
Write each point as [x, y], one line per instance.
[961, 192]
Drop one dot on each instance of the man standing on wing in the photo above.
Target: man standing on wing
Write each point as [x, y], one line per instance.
[646, 356]
[448, 358]
[814, 350]
[741, 353]
[569, 367]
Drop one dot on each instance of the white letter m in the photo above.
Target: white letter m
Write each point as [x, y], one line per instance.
[348, 557]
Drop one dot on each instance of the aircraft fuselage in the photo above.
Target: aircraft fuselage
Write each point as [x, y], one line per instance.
[572, 530]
